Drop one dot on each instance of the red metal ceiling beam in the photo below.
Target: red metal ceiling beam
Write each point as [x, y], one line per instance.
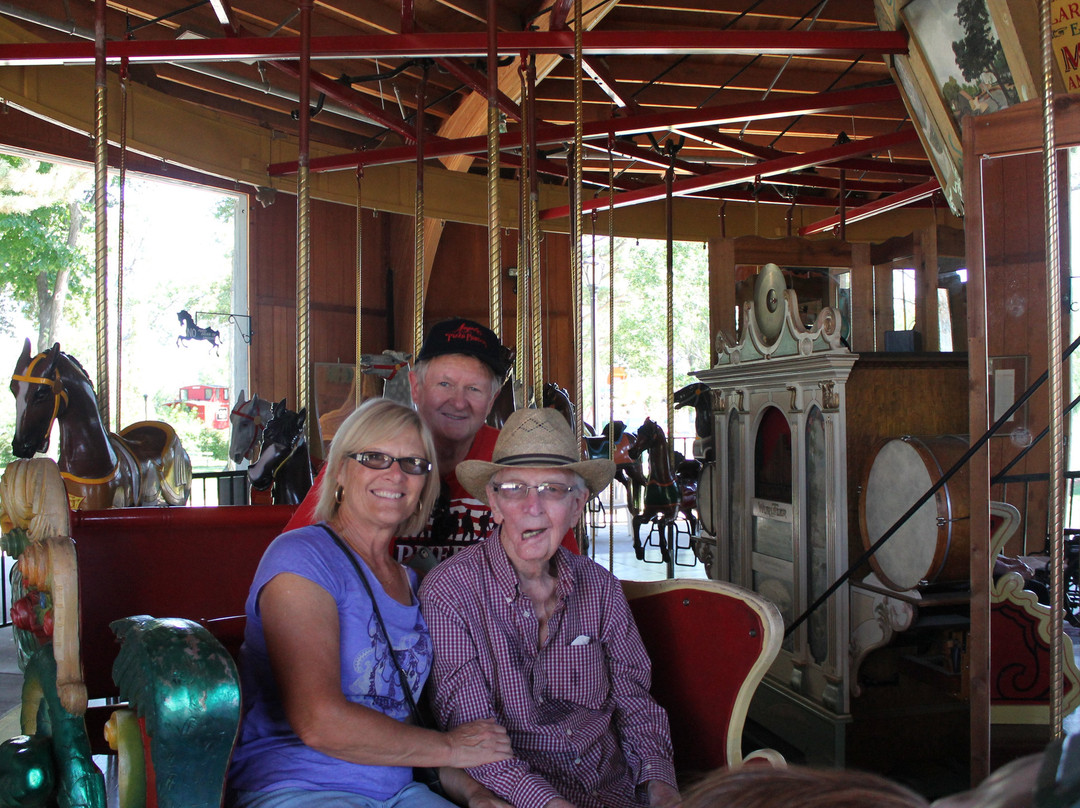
[918, 168]
[916, 194]
[560, 10]
[691, 185]
[632, 124]
[420, 45]
[347, 96]
[475, 80]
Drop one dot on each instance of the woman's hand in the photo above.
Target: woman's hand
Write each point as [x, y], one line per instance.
[477, 743]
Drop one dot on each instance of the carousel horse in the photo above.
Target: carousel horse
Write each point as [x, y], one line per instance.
[504, 404]
[248, 418]
[627, 470]
[687, 476]
[192, 331]
[393, 368]
[51, 762]
[284, 461]
[144, 465]
[698, 396]
[662, 496]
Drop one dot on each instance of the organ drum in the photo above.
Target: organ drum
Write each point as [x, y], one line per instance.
[932, 546]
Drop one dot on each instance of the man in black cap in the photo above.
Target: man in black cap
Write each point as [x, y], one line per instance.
[458, 373]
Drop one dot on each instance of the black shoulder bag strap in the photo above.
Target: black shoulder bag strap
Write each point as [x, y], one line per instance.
[428, 775]
[382, 626]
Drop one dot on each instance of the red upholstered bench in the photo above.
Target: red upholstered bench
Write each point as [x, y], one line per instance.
[196, 563]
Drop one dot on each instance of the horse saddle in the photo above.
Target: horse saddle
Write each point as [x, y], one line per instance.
[597, 448]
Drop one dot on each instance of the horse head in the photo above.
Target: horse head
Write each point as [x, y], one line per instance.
[40, 399]
[559, 399]
[283, 435]
[393, 368]
[698, 396]
[247, 418]
[646, 437]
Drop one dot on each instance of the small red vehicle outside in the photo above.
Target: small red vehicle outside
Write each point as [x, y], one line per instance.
[210, 402]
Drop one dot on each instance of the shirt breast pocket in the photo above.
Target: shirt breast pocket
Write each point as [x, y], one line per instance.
[577, 674]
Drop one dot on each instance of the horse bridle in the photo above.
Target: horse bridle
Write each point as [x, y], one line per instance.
[256, 418]
[294, 445]
[394, 368]
[55, 383]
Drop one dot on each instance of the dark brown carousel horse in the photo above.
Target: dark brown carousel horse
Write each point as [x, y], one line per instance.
[144, 465]
[503, 405]
[662, 495]
[628, 471]
[284, 461]
[699, 396]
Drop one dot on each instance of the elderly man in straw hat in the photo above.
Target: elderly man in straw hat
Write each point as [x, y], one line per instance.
[543, 640]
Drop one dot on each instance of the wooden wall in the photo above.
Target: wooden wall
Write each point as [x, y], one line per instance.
[458, 287]
[1014, 244]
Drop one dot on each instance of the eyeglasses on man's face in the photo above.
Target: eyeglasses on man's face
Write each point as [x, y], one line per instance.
[548, 492]
[381, 460]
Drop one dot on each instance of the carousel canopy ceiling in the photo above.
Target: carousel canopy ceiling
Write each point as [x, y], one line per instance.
[788, 102]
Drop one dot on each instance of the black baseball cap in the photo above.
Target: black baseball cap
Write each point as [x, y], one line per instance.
[460, 336]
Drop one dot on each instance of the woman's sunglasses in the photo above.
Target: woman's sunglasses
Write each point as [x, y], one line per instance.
[380, 461]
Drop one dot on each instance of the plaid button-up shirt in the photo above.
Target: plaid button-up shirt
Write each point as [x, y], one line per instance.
[578, 709]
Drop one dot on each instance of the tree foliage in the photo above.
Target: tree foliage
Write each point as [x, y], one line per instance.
[44, 257]
[641, 325]
[979, 50]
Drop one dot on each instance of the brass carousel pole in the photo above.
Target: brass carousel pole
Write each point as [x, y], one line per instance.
[120, 245]
[611, 341]
[418, 222]
[303, 226]
[494, 236]
[575, 234]
[669, 179]
[101, 200]
[534, 249]
[522, 365]
[357, 393]
[1054, 375]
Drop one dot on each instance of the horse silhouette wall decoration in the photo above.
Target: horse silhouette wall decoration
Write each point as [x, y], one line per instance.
[248, 418]
[196, 332]
[145, 464]
[284, 461]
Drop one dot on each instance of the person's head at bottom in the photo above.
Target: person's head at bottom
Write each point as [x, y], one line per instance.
[457, 375]
[535, 484]
[760, 785]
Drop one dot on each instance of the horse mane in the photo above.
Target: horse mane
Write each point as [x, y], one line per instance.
[80, 368]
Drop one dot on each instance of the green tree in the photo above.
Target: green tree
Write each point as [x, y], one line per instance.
[641, 325]
[979, 51]
[44, 258]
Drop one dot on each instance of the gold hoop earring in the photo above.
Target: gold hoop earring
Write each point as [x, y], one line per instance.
[339, 495]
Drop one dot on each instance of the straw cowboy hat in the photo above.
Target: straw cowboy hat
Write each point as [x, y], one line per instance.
[538, 439]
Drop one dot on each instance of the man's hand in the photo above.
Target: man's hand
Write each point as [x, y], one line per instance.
[464, 790]
[559, 802]
[477, 743]
[661, 795]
